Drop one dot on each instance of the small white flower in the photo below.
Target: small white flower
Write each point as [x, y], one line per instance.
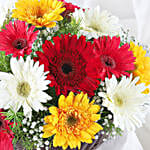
[126, 101]
[96, 137]
[106, 121]
[46, 148]
[31, 131]
[33, 125]
[24, 87]
[102, 132]
[109, 116]
[104, 140]
[36, 130]
[42, 145]
[28, 123]
[40, 128]
[49, 38]
[94, 23]
[24, 130]
[24, 121]
[46, 142]
[41, 135]
[35, 138]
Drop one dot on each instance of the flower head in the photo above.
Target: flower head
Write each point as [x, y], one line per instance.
[94, 23]
[40, 13]
[24, 87]
[71, 63]
[73, 122]
[17, 39]
[126, 101]
[112, 58]
[142, 64]
[70, 8]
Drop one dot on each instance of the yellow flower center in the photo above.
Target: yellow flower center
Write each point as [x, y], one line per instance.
[118, 102]
[23, 89]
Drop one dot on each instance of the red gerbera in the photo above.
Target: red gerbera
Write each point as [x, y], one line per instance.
[71, 64]
[70, 8]
[6, 135]
[17, 39]
[112, 58]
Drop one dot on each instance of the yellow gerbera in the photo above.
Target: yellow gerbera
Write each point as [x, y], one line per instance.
[41, 13]
[73, 122]
[142, 65]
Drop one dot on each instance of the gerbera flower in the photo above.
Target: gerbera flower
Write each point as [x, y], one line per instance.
[112, 58]
[41, 13]
[24, 87]
[73, 122]
[142, 64]
[6, 135]
[17, 39]
[70, 8]
[71, 64]
[126, 101]
[94, 23]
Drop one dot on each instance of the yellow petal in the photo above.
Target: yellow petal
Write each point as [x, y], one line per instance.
[96, 127]
[79, 145]
[47, 134]
[78, 99]
[53, 110]
[95, 117]
[65, 146]
[85, 102]
[94, 109]
[85, 135]
[61, 102]
[69, 99]
[48, 127]
[48, 119]
[59, 140]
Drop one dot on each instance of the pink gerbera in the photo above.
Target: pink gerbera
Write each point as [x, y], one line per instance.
[17, 38]
[112, 58]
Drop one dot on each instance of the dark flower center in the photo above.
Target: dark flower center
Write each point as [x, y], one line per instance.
[66, 68]
[1, 123]
[71, 120]
[108, 61]
[20, 43]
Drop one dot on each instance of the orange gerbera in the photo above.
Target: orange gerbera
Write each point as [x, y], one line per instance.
[73, 122]
[41, 13]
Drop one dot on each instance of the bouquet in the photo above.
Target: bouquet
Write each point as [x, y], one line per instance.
[70, 78]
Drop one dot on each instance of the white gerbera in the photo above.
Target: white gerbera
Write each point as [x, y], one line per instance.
[94, 23]
[24, 87]
[126, 101]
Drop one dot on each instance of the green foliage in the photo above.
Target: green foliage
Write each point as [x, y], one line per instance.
[8, 19]
[109, 127]
[16, 118]
[4, 62]
[66, 27]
